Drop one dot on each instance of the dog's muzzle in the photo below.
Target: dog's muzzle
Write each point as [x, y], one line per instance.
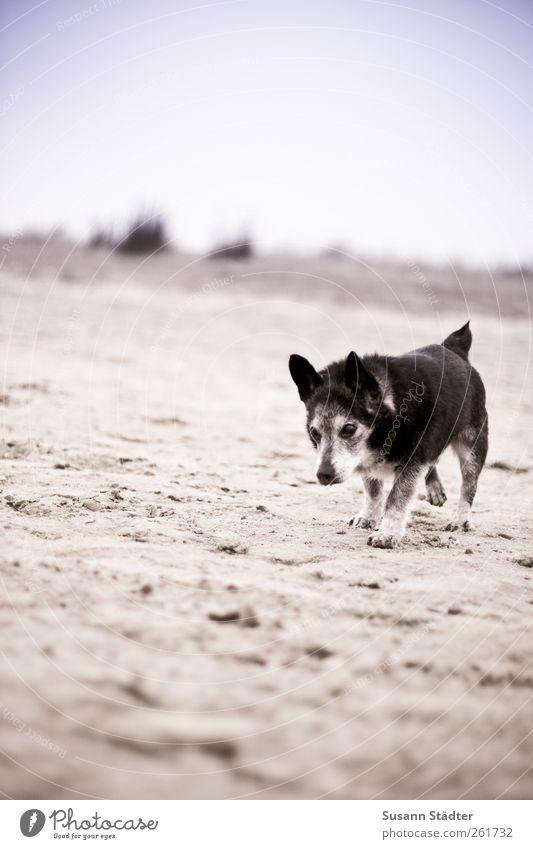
[326, 475]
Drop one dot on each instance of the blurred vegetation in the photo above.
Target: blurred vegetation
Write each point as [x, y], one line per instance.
[240, 248]
[145, 234]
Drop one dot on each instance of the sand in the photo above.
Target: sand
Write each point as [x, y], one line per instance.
[185, 612]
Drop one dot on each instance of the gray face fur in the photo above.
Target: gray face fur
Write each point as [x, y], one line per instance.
[339, 451]
[342, 402]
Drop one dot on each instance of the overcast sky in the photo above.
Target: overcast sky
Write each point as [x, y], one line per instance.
[386, 127]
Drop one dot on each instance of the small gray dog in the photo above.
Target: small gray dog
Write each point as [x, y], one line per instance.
[393, 417]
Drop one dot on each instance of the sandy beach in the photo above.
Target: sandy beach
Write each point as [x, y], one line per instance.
[185, 612]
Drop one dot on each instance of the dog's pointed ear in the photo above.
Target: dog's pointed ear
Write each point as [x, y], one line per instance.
[304, 376]
[460, 341]
[358, 378]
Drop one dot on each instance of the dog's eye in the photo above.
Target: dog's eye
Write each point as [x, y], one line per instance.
[348, 430]
[314, 434]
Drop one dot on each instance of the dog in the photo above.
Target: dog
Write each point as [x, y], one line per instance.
[385, 416]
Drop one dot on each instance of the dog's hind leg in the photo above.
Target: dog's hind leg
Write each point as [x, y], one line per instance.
[471, 448]
[434, 489]
[372, 511]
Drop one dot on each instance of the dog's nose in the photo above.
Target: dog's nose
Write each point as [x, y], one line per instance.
[325, 475]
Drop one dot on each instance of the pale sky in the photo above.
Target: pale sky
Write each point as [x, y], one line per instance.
[385, 127]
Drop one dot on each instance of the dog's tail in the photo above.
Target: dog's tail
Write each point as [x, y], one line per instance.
[460, 341]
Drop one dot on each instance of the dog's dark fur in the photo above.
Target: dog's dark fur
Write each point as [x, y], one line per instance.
[384, 415]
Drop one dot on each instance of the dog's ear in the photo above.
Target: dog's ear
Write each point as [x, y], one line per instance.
[304, 376]
[359, 379]
[460, 341]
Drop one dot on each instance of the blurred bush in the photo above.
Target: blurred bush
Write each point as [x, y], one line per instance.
[145, 235]
[102, 237]
[241, 248]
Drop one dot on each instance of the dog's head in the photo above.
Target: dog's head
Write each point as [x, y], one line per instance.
[342, 402]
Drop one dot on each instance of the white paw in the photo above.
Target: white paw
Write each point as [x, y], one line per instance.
[457, 525]
[361, 521]
[381, 540]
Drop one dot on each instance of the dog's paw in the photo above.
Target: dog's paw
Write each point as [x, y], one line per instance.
[457, 526]
[362, 522]
[379, 540]
[435, 493]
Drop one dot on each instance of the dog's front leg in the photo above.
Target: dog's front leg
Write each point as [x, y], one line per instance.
[372, 510]
[397, 506]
